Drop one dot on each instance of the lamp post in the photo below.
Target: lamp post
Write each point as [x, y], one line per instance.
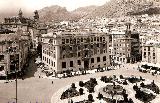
[15, 65]
[16, 83]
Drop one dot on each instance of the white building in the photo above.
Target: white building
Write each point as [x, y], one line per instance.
[75, 50]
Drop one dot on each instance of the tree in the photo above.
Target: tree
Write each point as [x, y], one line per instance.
[73, 85]
[135, 87]
[81, 84]
[81, 91]
[121, 77]
[130, 100]
[142, 84]
[125, 82]
[100, 96]
[125, 96]
[90, 98]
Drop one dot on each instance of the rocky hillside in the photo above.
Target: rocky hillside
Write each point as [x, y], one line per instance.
[54, 13]
[113, 8]
[57, 13]
[117, 8]
[84, 11]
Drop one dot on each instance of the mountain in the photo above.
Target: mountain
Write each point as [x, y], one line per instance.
[54, 12]
[112, 8]
[57, 13]
[117, 8]
[84, 11]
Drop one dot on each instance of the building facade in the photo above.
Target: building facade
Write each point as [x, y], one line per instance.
[75, 50]
[14, 51]
[124, 47]
[151, 54]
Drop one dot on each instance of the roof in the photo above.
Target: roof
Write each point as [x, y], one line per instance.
[72, 34]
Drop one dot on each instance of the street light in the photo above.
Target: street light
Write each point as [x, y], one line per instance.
[15, 65]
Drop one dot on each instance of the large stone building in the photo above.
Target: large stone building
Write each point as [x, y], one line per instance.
[124, 46]
[75, 50]
[14, 50]
[16, 38]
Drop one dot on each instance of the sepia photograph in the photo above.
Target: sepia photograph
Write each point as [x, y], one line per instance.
[79, 51]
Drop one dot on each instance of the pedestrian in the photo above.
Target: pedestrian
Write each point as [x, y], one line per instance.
[52, 82]
[39, 76]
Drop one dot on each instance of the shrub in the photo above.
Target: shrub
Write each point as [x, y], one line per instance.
[130, 100]
[73, 85]
[81, 91]
[121, 77]
[142, 84]
[100, 96]
[125, 83]
[135, 87]
[90, 98]
[81, 84]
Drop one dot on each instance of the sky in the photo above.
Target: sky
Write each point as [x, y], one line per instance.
[38, 4]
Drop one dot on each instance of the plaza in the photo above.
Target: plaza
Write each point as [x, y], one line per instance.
[34, 89]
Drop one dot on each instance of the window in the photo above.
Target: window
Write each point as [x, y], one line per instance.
[71, 41]
[91, 46]
[71, 48]
[63, 41]
[97, 45]
[54, 55]
[1, 68]
[148, 48]
[154, 58]
[144, 54]
[153, 49]
[98, 59]
[49, 61]
[117, 58]
[85, 46]
[103, 38]
[78, 62]
[79, 54]
[153, 54]
[94, 38]
[63, 64]
[104, 58]
[97, 39]
[67, 40]
[54, 64]
[71, 63]
[104, 45]
[91, 39]
[92, 60]
[78, 47]
[81, 39]
[100, 39]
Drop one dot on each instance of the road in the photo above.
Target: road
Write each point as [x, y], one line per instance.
[33, 89]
